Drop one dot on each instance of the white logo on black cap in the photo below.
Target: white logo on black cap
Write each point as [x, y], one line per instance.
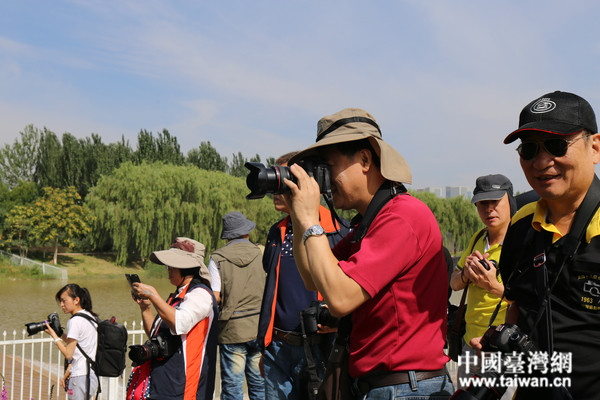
[543, 105]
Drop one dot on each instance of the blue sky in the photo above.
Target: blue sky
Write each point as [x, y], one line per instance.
[446, 80]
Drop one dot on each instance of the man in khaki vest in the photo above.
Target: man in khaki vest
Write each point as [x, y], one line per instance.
[242, 283]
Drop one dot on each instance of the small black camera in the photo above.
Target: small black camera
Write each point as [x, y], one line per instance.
[317, 313]
[53, 321]
[156, 347]
[486, 266]
[262, 180]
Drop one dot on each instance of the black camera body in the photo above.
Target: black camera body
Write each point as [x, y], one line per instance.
[262, 180]
[507, 338]
[53, 321]
[154, 348]
[486, 266]
[504, 338]
[317, 313]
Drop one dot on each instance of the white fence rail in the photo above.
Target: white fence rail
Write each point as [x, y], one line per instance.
[32, 367]
[47, 269]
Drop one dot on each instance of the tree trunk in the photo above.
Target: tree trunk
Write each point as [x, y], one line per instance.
[55, 250]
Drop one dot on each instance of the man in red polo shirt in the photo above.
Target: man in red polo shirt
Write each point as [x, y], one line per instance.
[389, 272]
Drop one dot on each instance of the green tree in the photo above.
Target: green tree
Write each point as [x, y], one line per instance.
[22, 194]
[456, 217]
[72, 161]
[142, 208]
[162, 148]
[168, 150]
[48, 164]
[19, 234]
[206, 157]
[57, 218]
[467, 222]
[18, 161]
[237, 167]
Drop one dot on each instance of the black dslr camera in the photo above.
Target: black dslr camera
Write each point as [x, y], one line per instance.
[317, 313]
[53, 321]
[504, 338]
[507, 338]
[156, 347]
[262, 180]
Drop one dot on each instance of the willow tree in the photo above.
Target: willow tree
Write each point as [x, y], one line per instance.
[142, 208]
[456, 217]
[467, 222]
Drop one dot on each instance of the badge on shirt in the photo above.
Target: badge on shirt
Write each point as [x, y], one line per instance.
[539, 260]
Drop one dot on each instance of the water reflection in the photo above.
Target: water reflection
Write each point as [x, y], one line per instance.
[32, 300]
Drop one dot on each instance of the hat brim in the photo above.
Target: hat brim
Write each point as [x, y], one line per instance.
[552, 127]
[240, 231]
[393, 166]
[176, 258]
[492, 195]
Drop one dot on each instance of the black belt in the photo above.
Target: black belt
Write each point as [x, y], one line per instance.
[368, 382]
[294, 338]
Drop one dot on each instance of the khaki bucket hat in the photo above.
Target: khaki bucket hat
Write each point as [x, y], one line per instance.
[352, 124]
[184, 253]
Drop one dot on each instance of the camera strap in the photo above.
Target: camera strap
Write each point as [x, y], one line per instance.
[311, 367]
[90, 362]
[387, 191]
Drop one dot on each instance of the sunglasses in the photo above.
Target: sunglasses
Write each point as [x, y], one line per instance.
[556, 147]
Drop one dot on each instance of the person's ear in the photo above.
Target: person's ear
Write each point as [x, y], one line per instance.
[595, 145]
[366, 159]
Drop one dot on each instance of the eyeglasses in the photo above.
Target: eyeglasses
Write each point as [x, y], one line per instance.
[556, 147]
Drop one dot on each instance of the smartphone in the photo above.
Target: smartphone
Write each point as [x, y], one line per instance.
[133, 278]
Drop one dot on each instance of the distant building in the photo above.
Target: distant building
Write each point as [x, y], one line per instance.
[435, 190]
[455, 191]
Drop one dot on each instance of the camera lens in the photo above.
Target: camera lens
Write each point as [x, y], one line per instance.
[35, 327]
[262, 180]
[138, 353]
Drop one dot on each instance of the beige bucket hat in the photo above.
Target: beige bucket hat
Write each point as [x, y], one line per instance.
[184, 253]
[352, 124]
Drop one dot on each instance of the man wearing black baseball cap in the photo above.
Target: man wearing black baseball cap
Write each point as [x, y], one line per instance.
[555, 297]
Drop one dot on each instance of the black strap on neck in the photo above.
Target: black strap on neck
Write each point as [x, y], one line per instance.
[460, 315]
[568, 245]
[385, 193]
[90, 363]
[344, 121]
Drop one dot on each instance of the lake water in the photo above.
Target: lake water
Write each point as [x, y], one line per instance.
[23, 301]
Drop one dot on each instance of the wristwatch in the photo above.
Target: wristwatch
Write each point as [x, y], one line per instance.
[315, 230]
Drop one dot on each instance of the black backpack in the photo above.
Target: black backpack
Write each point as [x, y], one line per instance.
[112, 347]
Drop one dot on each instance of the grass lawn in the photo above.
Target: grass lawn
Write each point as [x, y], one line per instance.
[78, 265]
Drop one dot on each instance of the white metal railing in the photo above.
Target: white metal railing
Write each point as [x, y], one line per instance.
[47, 269]
[32, 367]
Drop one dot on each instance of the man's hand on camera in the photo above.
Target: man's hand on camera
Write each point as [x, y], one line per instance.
[475, 343]
[304, 199]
